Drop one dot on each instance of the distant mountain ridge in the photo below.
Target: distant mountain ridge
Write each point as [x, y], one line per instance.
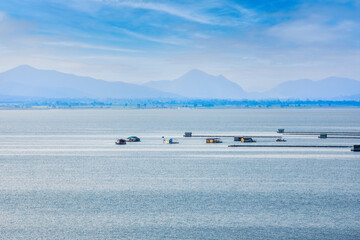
[328, 88]
[197, 84]
[26, 81]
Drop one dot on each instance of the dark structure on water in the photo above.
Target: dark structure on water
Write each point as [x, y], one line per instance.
[188, 134]
[244, 139]
[356, 148]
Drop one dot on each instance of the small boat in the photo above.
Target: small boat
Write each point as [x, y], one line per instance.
[120, 142]
[281, 140]
[171, 141]
[213, 140]
[133, 139]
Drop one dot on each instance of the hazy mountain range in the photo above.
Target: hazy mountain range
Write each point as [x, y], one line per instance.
[328, 88]
[26, 81]
[197, 84]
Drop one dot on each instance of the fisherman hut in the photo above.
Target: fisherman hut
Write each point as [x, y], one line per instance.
[237, 139]
[323, 135]
[188, 134]
[213, 140]
[247, 140]
[356, 148]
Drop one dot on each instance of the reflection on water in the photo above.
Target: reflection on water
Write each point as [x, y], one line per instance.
[63, 177]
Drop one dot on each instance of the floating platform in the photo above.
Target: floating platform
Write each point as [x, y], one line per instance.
[291, 146]
[189, 134]
[322, 133]
[340, 137]
[232, 136]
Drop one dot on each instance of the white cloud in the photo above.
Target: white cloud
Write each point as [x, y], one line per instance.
[310, 31]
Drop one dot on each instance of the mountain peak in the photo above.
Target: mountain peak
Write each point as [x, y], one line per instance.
[28, 81]
[195, 73]
[198, 84]
[23, 67]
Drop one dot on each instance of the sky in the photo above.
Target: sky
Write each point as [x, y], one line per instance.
[255, 43]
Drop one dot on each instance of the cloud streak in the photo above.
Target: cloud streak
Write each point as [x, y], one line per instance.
[198, 12]
[173, 41]
[89, 46]
[165, 8]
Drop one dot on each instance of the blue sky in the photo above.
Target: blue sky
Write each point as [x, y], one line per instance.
[257, 44]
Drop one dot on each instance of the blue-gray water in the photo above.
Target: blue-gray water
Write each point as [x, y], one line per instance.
[62, 176]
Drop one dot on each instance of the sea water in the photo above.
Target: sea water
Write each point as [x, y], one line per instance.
[63, 177]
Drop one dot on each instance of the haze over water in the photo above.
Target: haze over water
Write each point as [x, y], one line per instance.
[62, 176]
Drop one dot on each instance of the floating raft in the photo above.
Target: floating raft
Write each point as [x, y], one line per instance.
[292, 146]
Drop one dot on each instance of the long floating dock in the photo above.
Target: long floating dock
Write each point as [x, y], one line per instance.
[350, 137]
[224, 136]
[282, 131]
[292, 146]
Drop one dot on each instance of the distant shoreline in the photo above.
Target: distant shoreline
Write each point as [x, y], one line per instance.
[44, 104]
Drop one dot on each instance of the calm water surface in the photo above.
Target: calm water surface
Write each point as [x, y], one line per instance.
[62, 176]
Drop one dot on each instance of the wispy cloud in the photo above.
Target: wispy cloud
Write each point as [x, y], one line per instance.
[203, 12]
[310, 31]
[174, 10]
[89, 46]
[172, 41]
[247, 15]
